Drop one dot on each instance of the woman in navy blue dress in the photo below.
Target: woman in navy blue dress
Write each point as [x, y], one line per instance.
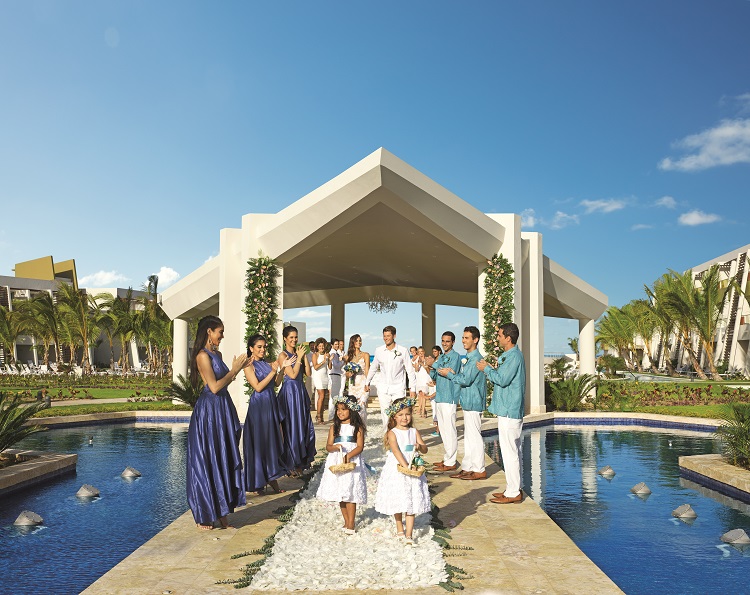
[215, 485]
[299, 433]
[263, 439]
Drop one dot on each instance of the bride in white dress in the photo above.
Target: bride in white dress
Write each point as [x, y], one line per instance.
[356, 381]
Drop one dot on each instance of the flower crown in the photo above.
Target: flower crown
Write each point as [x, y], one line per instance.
[350, 402]
[393, 409]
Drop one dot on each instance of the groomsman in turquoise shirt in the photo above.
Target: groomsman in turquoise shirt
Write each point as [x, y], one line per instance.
[473, 398]
[509, 378]
[446, 398]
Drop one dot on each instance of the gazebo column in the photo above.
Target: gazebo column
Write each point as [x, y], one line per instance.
[586, 346]
[428, 326]
[338, 319]
[179, 348]
[532, 328]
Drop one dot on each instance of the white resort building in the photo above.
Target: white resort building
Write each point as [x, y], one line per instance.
[386, 205]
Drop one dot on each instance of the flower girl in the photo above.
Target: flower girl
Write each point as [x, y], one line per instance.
[346, 439]
[399, 493]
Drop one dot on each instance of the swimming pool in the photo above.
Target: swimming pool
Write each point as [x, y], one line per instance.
[81, 540]
[636, 541]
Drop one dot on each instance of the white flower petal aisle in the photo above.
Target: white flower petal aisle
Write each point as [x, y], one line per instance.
[311, 552]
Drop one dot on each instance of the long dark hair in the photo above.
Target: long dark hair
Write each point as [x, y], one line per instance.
[287, 331]
[201, 336]
[352, 348]
[354, 418]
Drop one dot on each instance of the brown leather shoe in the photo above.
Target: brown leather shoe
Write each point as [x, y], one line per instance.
[475, 475]
[460, 474]
[505, 500]
[442, 467]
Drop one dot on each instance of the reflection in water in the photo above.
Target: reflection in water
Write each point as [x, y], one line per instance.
[635, 539]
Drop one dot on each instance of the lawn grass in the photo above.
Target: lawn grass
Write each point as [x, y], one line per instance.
[110, 407]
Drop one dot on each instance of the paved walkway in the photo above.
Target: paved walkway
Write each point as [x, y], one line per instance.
[517, 548]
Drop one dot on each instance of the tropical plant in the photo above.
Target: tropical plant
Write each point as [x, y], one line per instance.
[573, 393]
[573, 344]
[120, 310]
[77, 312]
[610, 364]
[262, 301]
[665, 325]
[13, 417]
[11, 327]
[183, 390]
[735, 434]
[557, 367]
[498, 305]
[42, 319]
[615, 329]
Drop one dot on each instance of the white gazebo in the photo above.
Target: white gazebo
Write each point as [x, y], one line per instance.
[389, 210]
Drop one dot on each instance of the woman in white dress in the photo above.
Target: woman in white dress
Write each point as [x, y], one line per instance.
[346, 440]
[423, 381]
[399, 494]
[356, 380]
[320, 376]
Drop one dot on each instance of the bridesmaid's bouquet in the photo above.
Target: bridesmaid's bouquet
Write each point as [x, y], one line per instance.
[352, 367]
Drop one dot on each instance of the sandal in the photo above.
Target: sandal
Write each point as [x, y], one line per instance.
[275, 487]
[408, 541]
[400, 536]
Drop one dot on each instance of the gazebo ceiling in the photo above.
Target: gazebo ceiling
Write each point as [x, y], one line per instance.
[380, 246]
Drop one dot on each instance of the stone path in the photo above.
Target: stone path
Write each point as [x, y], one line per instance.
[517, 548]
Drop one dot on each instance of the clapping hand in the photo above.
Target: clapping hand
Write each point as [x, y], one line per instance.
[481, 365]
[290, 361]
[444, 371]
[239, 362]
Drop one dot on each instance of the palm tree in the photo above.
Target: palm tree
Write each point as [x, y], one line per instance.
[644, 323]
[42, 319]
[11, 327]
[665, 325]
[77, 309]
[120, 310]
[700, 308]
[615, 329]
[13, 418]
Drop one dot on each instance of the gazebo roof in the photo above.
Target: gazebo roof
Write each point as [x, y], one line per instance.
[381, 224]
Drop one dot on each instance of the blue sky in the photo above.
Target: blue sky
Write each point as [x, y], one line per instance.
[131, 132]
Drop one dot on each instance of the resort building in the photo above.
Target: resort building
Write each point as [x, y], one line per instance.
[43, 275]
[385, 204]
[733, 332]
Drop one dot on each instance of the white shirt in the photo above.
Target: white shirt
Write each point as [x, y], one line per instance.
[393, 368]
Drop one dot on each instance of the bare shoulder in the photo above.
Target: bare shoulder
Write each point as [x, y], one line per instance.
[365, 355]
[202, 356]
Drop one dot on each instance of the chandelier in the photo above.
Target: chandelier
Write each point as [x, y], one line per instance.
[381, 304]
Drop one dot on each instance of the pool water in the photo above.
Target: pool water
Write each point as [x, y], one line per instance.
[635, 541]
[81, 540]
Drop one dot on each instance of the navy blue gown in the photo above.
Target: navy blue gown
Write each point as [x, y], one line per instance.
[299, 432]
[215, 485]
[262, 440]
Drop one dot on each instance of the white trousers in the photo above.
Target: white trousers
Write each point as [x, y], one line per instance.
[336, 389]
[473, 444]
[446, 418]
[511, 449]
[387, 393]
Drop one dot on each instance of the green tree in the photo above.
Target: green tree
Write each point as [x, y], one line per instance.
[120, 310]
[11, 327]
[13, 418]
[42, 319]
[665, 324]
[77, 309]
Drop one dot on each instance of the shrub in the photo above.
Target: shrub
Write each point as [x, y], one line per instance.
[573, 393]
[184, 391]
[735, 434]
[13, 416]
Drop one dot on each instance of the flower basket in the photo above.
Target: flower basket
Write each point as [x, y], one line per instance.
[411, 471]
[342, 467]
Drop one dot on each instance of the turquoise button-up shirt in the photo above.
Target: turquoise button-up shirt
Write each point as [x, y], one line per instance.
[473, 385]
[509, 379]
[446, 390]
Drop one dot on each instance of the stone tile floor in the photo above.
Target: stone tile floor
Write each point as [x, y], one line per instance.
[517, 547]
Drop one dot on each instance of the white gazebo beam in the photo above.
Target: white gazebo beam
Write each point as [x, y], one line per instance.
[353, 295]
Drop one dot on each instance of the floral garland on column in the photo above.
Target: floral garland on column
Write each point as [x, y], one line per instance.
[498, 303]
[497, 308]
[262, 301]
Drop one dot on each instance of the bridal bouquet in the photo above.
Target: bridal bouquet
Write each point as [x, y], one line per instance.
[352, 367]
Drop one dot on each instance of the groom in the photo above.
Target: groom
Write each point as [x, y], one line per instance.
[395, 367]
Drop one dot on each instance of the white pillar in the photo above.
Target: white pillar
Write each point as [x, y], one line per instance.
[179, 348]
[428, 326]
[338, 320]
[587, 346]
[532, 330]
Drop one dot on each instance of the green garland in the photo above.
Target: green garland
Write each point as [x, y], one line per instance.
[498, 304]
[262, 301]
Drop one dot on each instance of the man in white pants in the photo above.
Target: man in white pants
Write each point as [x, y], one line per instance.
[395, 367]
[509, 378]
[446, 398]
[473, 399]
[335, 375]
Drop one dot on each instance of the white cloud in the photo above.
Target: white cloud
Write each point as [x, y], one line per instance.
[667, 202]
[528, 218]
[603, 205]
[697, 217]
[307, 313]
[454, 325]
[167, 276]
[638, 226]
[102, 279]
[725, 144]
[314, 332]
[561, 220]
[210, 258]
